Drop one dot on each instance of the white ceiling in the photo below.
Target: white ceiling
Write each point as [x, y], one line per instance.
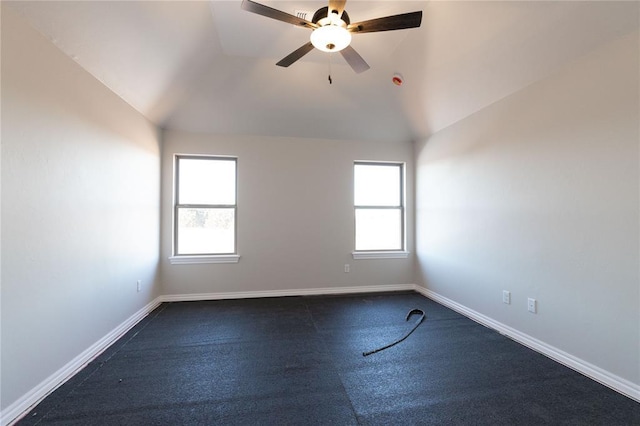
[210, 66]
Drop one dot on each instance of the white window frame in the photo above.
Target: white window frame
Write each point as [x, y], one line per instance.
[402, 252]
[177, 258]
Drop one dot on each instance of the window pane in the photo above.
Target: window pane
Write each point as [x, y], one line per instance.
[206, 181]
[377, 185]
[378, 229]
[206, 231]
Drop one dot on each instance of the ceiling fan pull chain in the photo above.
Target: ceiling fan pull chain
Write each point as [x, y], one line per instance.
[330, 81]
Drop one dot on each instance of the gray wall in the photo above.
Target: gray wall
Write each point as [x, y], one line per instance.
[539, 194]
[295, 215]
[80, 210]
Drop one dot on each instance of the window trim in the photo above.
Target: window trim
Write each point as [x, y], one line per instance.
[387, 254]
[384, 253]
[186, 259]
[190, 258]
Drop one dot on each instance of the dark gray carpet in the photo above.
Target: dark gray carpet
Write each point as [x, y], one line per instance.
[298, 360]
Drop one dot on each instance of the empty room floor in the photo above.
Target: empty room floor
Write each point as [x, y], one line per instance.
[299, 360]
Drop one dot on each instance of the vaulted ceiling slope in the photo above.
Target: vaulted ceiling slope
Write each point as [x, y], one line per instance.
[206, 66]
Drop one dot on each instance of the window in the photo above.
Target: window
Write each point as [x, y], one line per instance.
[205, 206]
[379, 206]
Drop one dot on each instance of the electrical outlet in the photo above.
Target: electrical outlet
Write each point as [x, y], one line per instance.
[532, 306]
[347, 268]
[139, 285]
[506, 297]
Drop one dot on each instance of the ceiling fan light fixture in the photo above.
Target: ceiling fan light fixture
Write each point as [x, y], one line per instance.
[332, 28]
[330, 38]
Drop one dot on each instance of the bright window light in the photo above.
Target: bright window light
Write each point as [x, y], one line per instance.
[205, 210]
[379, 206]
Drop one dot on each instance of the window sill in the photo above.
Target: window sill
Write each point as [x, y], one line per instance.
[189, 260]
[380, 254]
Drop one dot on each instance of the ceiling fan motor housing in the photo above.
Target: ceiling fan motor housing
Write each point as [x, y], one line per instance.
[323, 12]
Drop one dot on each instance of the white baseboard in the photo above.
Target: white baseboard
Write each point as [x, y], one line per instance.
[596, 373]
[284, 293]
[19, 408]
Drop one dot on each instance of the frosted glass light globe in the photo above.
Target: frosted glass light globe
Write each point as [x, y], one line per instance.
[330, 38]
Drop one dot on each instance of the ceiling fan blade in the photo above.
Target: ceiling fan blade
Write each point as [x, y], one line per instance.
[337, 5]
[270, 12]
[354, 59]
[388, 23]
[295, 55]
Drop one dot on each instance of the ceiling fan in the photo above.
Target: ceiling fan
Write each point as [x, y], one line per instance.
[332, 29]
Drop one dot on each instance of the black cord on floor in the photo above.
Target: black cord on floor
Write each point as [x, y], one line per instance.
[411, 312]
